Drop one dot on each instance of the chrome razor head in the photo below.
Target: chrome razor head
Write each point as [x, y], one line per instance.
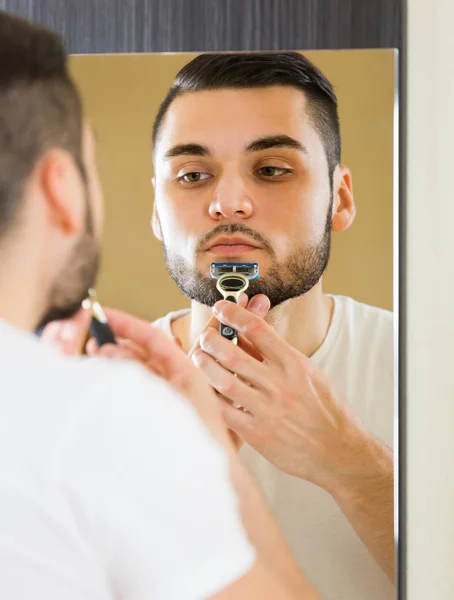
[248, 270]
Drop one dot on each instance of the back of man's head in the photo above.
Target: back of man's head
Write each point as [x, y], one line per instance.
[249, 70]
[39, 108]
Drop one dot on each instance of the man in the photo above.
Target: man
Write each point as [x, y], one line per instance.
[247, 169]
[110, 486]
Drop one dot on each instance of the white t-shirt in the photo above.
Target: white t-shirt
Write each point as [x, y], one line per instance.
[357, 354]
[110, 485]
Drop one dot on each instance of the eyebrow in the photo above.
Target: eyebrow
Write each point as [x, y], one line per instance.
[258, 145]
[187, 150]
[276, 141]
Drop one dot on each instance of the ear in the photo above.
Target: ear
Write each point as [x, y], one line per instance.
[63, 190]
[344, 210]
[155, 224]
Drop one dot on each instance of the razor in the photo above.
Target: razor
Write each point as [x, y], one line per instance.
[99, 326]
[232, 279]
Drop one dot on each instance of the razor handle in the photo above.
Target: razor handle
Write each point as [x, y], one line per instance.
[226, 331]
[101, 332]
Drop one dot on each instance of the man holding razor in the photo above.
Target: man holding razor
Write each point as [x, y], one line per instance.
[247, 169]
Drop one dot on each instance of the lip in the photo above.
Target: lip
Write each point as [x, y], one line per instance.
[230, 242]
[231, 249]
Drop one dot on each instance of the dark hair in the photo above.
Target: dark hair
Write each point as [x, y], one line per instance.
[246, 70]
[39, 107]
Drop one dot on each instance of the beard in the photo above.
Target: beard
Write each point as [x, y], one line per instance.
[76, 277]
[285, 280]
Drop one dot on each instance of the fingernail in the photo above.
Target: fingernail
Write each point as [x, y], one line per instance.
[195, 359]
[257, 305]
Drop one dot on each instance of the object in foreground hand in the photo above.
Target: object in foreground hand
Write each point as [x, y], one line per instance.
[232, 280]
[99, 326]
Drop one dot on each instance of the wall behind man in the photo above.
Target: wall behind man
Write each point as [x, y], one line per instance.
[200, 25]
[122, 94]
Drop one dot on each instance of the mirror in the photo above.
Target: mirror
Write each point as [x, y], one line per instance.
[122, 94]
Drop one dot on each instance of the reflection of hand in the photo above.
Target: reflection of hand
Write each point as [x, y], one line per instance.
[295, 417]
[258, 305]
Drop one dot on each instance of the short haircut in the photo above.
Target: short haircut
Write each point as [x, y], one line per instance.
[248, 70]
[40, 108]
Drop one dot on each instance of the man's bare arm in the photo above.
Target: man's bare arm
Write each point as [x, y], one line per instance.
[368, 504]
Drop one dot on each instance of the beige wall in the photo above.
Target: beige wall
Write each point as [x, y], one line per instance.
[122, 94]
[429, 382]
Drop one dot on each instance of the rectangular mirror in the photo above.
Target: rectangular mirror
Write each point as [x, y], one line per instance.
[122, 94]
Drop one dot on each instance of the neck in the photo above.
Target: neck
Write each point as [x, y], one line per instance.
[21, 288]
[303, 322]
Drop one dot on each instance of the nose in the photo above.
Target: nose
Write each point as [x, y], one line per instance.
[231, 201]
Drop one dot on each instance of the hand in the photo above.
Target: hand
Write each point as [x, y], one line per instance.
[295, 418]
[68, 336]
[258, 305]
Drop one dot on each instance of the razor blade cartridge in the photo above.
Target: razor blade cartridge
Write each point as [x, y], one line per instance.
[248, 270]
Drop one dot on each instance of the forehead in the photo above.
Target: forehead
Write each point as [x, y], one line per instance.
[225, 117]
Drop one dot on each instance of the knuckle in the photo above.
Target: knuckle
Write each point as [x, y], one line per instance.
[227, 386]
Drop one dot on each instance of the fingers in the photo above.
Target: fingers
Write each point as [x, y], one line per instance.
[125, 347]
[234, 359]
[243, 300]
[213, 323]
[249, 348]
[255, 330]
[259, 305]
[225, 382]
[237, 421]
[162, 353]
[122, 351]
[68, 335]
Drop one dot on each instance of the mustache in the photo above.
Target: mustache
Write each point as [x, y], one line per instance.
[230, 229]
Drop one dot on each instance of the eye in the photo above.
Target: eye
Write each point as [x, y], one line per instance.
[193, 177]
[273, 172]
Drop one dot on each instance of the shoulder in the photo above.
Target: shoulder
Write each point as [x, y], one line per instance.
[363, 332]
[364, 319]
